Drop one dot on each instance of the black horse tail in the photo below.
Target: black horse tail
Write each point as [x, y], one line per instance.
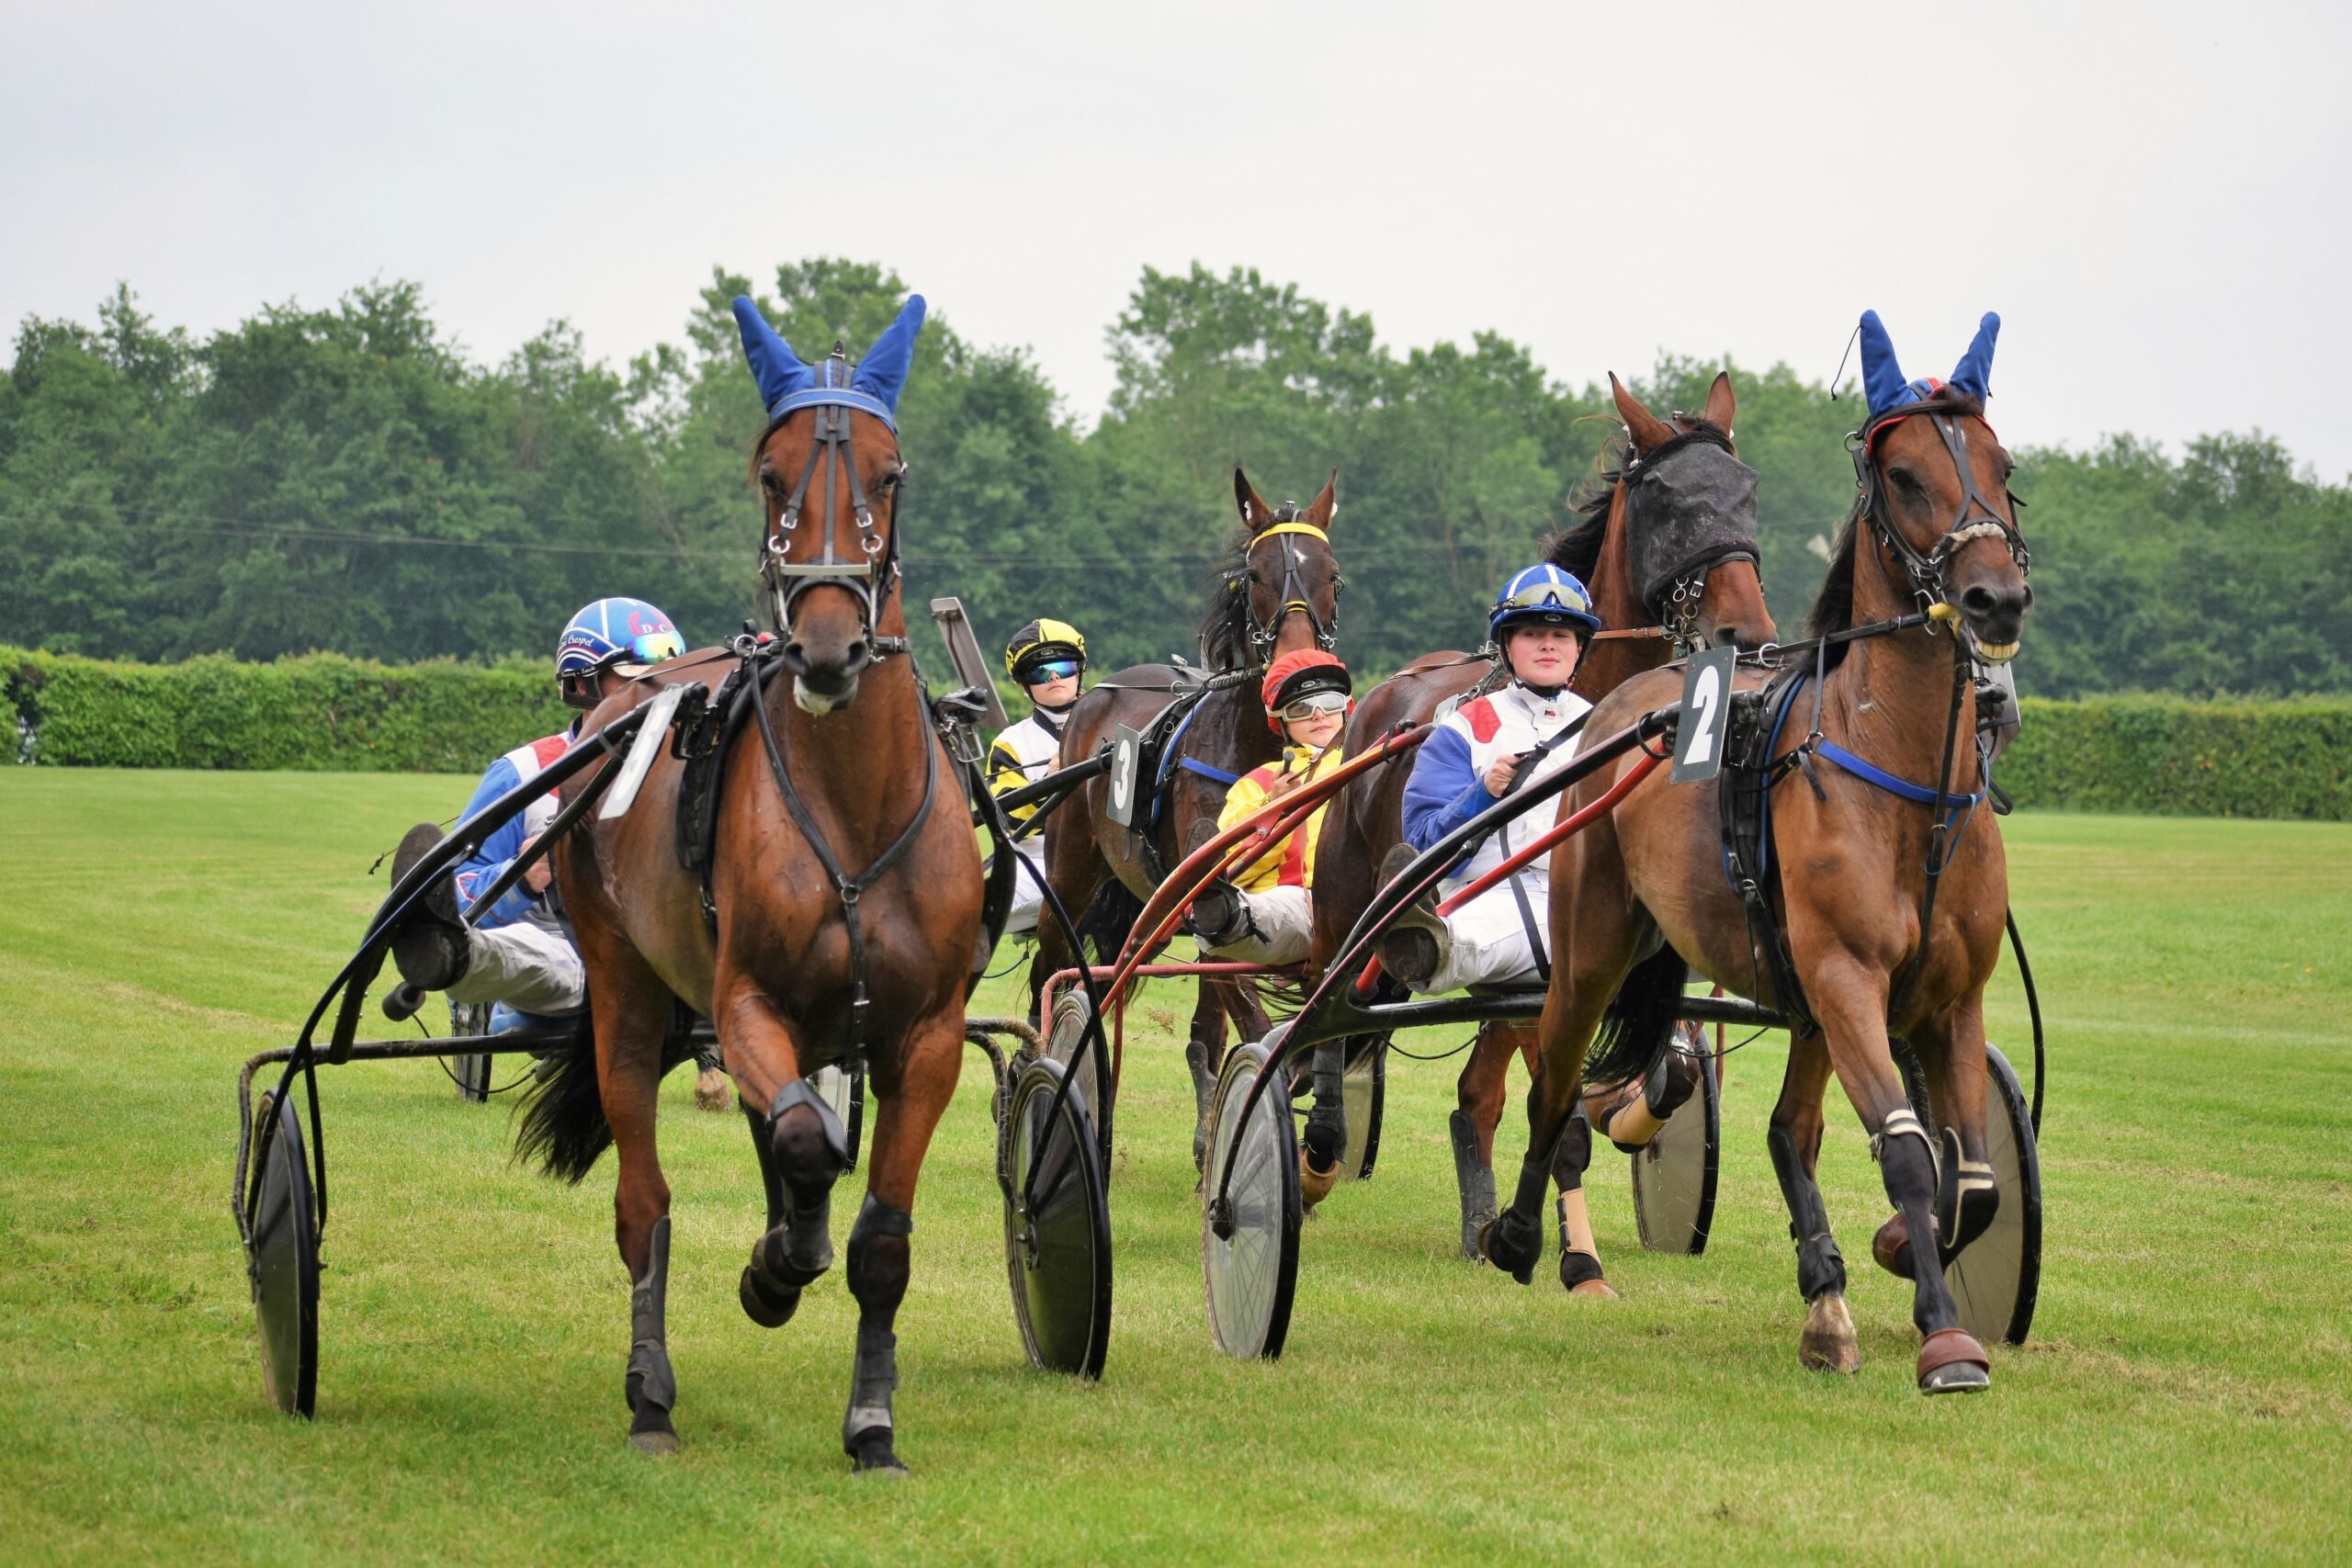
[563, 1126]
[1639, 1025]
[1110, 917]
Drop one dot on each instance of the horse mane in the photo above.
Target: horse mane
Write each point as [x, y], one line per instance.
[1833, 607]
[1225, 623]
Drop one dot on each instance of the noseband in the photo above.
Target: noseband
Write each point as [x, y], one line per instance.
[1703, 503]
[1976, 519]
[872, 577]
[1286, 525]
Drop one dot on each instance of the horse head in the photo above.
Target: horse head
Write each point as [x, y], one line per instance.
[1933, 486]
[829, 469]
[1288, 570]
[1683, 523]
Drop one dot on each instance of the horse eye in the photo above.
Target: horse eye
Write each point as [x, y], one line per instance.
[1903, 481]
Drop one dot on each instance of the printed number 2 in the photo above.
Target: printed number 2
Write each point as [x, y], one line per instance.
[1707, 695]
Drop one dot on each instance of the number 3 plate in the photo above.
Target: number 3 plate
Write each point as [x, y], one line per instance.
[1706, 715]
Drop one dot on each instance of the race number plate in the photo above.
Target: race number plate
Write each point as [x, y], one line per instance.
[1127, 761]
[964, 653]
[1706, 715]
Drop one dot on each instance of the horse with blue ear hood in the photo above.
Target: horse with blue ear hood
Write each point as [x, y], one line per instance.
[831, 481]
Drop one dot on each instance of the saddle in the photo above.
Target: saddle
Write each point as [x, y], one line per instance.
[704, 733]
[1743, 797]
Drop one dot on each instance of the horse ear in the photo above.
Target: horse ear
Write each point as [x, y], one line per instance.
[1255, 513]
[1884, 385]
[775, 369]
[1974, 374]
[883, 371]
[1326, 505]
[1721, 406]
[1647, 429]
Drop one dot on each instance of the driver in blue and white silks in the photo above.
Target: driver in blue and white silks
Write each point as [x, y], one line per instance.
[1540, 622]
[520, 955]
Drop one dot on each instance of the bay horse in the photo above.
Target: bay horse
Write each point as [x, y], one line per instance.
[1891, 889]
[1658, 585]
[1275, 588]
[844, 901]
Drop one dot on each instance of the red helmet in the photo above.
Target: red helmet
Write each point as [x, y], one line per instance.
[1301, 673]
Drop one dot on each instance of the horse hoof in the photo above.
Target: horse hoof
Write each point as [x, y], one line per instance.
[768, 1306]
[1891, 1247]
[1598, 1290]
[1512, 1245]
[1828, 1343]
[1952, 1361]
[652, 1434]
[870, 1454]
[712, 1090]
[1581, 1274]
[1314, 1185]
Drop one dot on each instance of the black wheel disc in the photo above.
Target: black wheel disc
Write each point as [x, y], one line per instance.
[1365, 1096]
[1064, 1041]
[1997, 1278]
[1250, 1243]
[1057, 1247]
[284, 1259]
[1674, 1173]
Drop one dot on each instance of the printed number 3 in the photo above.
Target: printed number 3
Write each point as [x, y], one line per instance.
[1707, 693]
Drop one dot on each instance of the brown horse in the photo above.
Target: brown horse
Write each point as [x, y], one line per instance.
[1276, 588]
[847, 899]
[1876, 949]
[1709, 600]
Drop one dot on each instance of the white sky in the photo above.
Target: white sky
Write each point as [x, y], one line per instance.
[2157, 197]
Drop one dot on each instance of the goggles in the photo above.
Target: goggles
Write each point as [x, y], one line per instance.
[654, 646]
[1051, 669]
[1544, 597]
[1314, 703]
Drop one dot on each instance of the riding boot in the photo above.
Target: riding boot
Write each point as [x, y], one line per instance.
[430, 947]
[1416, 945]
[1476, 1180]
[1218, 917]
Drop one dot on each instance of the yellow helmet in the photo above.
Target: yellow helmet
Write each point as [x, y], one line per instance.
[1042, 641]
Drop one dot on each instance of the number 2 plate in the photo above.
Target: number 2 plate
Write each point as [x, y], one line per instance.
[1706, 715]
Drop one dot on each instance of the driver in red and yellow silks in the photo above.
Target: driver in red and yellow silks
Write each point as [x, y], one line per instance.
[1264, 915]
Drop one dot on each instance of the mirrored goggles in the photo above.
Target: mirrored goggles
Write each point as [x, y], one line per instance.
[1051, 669]
[653, 648]
[1545, 596]
[1315, 702]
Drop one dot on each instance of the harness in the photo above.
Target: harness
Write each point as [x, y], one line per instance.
[1263, 633]
[874, 575]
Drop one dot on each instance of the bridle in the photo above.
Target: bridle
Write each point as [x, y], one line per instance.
[1673, 593]
[1976, 519]
[1283, 528]
[871, 578]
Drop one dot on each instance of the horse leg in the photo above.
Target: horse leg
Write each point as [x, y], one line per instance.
[1580, 1272]
[1795, 1138]
[1205, 1057]
[1478, 1110]
[1952, 1053]
[878, 1250]
[632, 1011]
[802, 1149]
[1851, 1002]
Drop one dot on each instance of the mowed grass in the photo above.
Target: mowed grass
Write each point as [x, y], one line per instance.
[2185, 1394]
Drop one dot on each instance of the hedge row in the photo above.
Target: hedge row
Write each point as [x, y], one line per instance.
[2169, 755]
[321, 712]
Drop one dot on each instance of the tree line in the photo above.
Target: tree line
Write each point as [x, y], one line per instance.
[346, 479]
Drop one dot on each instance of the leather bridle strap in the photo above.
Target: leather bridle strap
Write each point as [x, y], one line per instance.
[869, 579]
[1294, 595]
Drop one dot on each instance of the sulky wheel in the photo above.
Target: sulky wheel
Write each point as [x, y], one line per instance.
[1674, 1173]
[1063, 1040]
[1056, 1244]
[1366, 1096]
[1996, 1278]
[472, 1072]
[283, 1258]
[1249, 1238]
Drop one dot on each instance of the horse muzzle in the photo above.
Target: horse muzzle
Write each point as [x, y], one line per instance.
[1994, 615]
[826, 684]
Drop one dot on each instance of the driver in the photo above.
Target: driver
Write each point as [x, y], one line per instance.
[520, 955]
[1047, 657]
[1481, 752]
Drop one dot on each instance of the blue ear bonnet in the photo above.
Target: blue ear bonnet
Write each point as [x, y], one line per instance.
[1883, 380]
[871, 386]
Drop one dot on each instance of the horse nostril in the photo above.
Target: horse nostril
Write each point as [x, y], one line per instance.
[1979, 601]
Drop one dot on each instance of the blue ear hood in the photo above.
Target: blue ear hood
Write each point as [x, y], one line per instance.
[1883, 382]
[775, 368]
[883, 371]
[1974, 374]
[787, 384]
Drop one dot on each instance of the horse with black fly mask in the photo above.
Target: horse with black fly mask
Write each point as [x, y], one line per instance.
[1852, 884]
[838, 915]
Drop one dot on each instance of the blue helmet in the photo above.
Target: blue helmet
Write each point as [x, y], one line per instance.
[1545, 595]
[606, 633]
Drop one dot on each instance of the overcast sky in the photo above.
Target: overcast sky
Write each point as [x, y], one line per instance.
[2157, 197]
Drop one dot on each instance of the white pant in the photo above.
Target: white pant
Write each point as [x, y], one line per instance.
[1021, 919]
[528, 967]
[1490, 945]
[1282, 929]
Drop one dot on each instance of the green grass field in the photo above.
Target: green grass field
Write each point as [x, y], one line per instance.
[2185, 1394]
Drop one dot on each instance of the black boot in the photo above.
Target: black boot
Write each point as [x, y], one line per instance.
[430, 947]
[1218, 915]
[1476, 1181]
[1415, 945]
